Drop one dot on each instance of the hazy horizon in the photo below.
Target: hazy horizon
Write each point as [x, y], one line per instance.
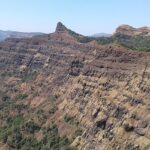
[85, 17]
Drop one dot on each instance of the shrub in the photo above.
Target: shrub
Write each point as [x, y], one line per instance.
[52, 98]
[53, 110]
[53, 141]
[15, 121]
[71, 120]
[78, 132]
[30, 143]
[6, 98]
[11, 130]
[21, 96]
[29, 76]
[14, 140]
[40, 112]
[31, 127]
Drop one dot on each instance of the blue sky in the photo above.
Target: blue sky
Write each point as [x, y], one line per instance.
[83, 16]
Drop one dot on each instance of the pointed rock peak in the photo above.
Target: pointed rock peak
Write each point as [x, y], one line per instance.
[60, 27]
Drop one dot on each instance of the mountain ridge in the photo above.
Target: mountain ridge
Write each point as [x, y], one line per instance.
[59, 93]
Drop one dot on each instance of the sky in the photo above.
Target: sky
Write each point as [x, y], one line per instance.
[83, 16]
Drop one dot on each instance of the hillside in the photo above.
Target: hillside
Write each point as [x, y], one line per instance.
[64, 91]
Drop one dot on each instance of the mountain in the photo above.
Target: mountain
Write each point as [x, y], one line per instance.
[101, 35]
[65, 91]
[15, 34]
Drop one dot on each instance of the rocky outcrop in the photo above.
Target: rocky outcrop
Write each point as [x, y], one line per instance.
[61, 28]
[131, 31]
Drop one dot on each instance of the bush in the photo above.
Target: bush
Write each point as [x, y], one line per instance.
[29, 76]
[30, 143]
[6, 98]
[52, 98]
[11, 130]
[71, 120]
[21, 96]
[53, 141]
[78, 132]
[14, 136]
[14, 140]
[31, 127]
[53, 110]
[15, 121]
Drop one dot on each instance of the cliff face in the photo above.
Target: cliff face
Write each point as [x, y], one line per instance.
[99, 95]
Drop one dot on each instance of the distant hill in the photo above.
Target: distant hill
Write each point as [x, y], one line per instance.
[14, 34]
[131, 31]
[102, 35]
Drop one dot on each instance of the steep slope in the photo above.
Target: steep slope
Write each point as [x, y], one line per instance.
[57, 92]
